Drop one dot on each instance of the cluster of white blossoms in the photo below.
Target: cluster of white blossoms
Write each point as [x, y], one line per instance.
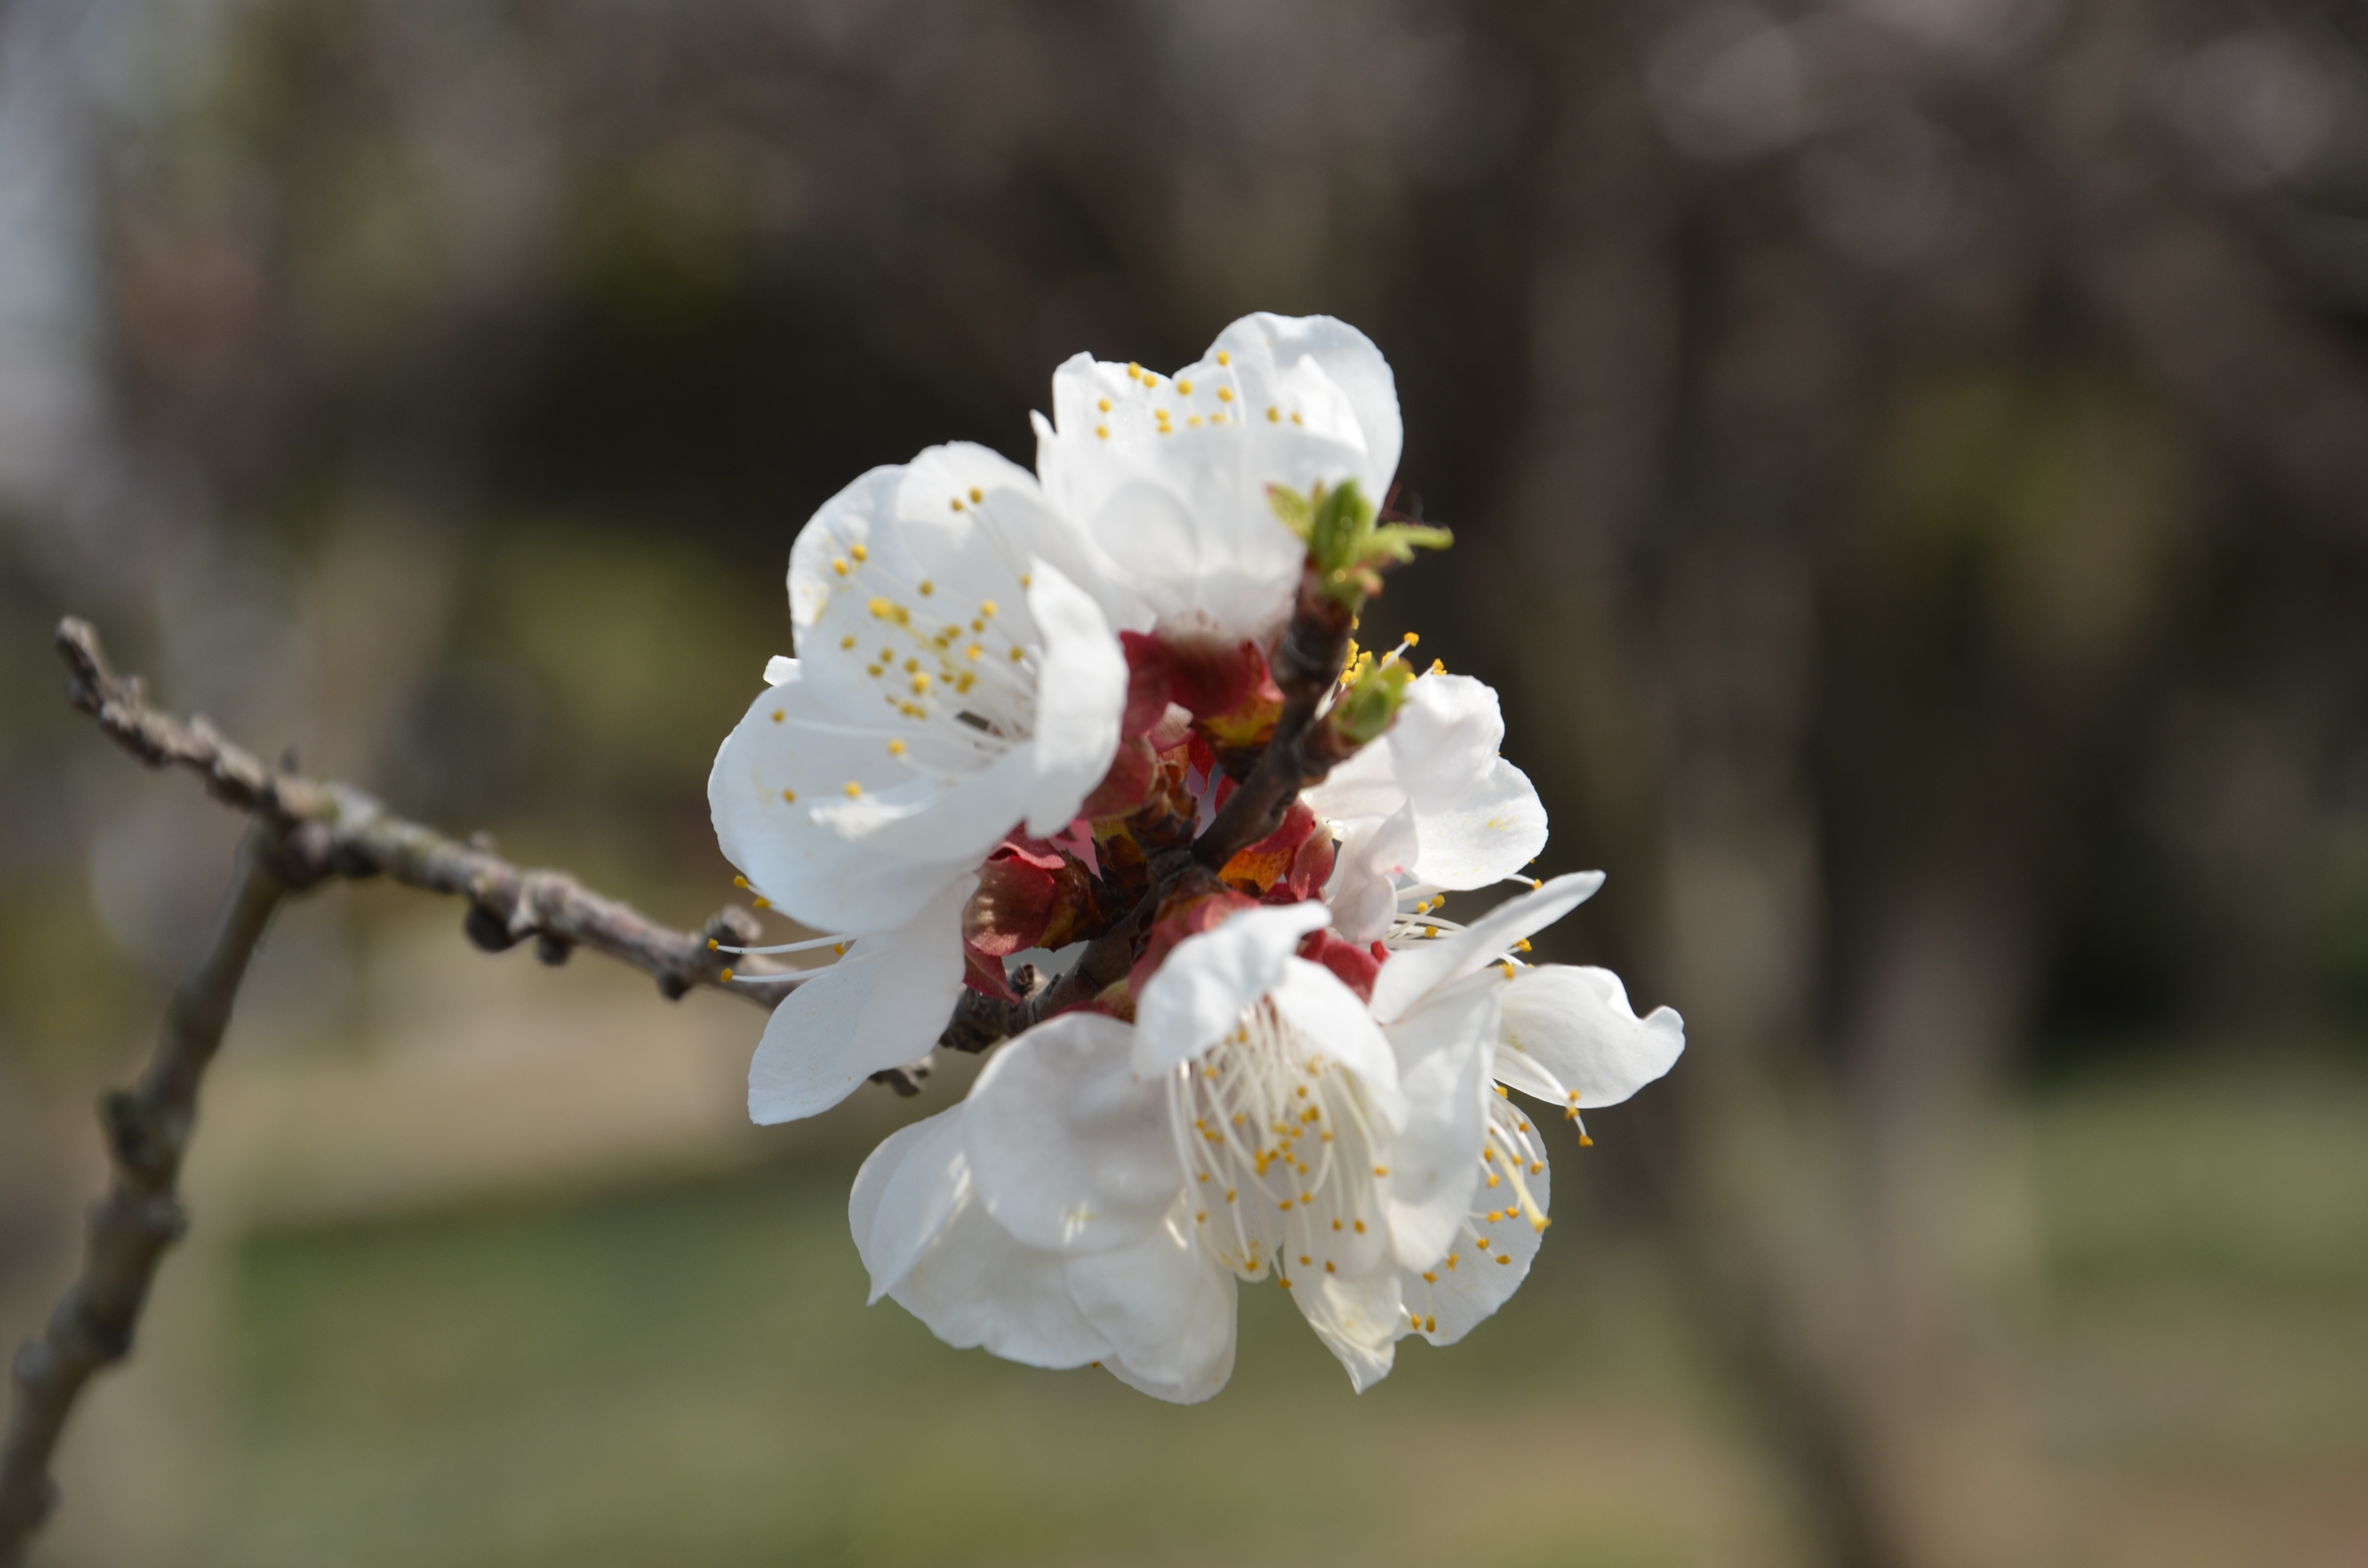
[1020, 708]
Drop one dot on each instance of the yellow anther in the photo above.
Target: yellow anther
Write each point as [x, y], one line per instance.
[847, 642]
[1361, 1226]
[1184, 386]
[977, 494]
[912, 664]
[1495, 1215]
[778, 715]
[1585, 1141]
[1430, 930]
[854, 787]
[1018, 654]
[1304, 1258]
[1194, 422]
[1336, 1224]
[1502, 1093]
[1327, 1265]
[1523, 947]
[1483, 1243]
[965, 681]
[1274, 415]
[1202, 1218]
[955, 503]
[1431, 1324]
[1509, 969]
[711, 944]
[1229, 1194]
[1223, 358]
[1381, 1170]
[838, 949]
[927, 587]
[1103, 431]
[921, 684]
[1537, 881]
[1286, 1284]
[764, 903]
[1149, 379]
[1452, 1259]
[739, 881]
[1536, 1166]
[839, 567]
[858, 551]
[1504, 1257]
[790, 796]
[1027, 579]
[985, 608]
[1133, 370]
[895, 748]
[1431, 1276]
[1286, 1205]
[1225, 394]
[1295, 418]
[727, 974]
[881, 609]
[1438, 667]
[973, 651]
[1492, 1181]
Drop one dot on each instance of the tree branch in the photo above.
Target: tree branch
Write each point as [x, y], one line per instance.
[147, 1132]
[333, 829]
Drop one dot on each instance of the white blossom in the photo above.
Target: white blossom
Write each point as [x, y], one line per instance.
[1106, 1185]
[956, 678]
[1169, 475]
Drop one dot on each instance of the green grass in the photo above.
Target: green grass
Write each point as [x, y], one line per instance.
[689, 1375]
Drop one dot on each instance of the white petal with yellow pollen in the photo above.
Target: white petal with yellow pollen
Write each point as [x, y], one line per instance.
[1171, 474]
[788, 754]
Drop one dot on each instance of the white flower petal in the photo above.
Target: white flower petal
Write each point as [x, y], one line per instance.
[1357, 1319]
[1165, 1305]
[1444, 738]
[778, 669]
[1180, 507]
[786, 754]
[1080, 697]
[1337, 1019]
[905, 1194]
[1443, 1051]
[1213, 1379]
[881, 1006]
[1350, 362]
[1454, 1301]
[1494, 830]
[1202, 989]
[947, 820]
[1364, 891]
[1070, 1150]
[1415, 971]
[977, 1286]
[1575, 1025]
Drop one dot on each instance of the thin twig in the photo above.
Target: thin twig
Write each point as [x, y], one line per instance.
[333, 829]
[147, 1133]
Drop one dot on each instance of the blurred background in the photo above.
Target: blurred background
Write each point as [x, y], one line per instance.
[1909, 462]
